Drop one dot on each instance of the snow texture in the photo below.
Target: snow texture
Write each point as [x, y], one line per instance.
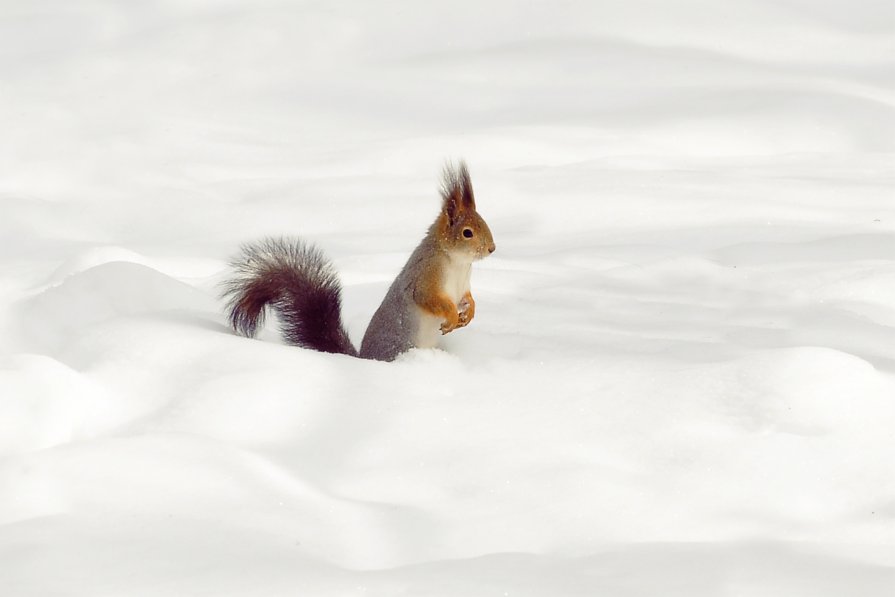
[680, 376]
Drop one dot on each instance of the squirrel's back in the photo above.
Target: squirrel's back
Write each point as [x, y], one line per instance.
[396, 324]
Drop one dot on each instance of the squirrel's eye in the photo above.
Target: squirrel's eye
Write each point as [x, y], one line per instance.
[467, 232]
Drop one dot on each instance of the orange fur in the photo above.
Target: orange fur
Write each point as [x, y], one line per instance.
[466, 316]
[430, 297]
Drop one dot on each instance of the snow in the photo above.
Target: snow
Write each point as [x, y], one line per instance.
[681, 375]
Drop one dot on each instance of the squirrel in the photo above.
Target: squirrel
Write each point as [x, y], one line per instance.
[430, 295]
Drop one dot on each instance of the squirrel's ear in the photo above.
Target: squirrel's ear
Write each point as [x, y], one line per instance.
[456, 192]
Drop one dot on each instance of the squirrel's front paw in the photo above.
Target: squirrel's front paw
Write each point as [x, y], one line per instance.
[450, 324]
[466, 311]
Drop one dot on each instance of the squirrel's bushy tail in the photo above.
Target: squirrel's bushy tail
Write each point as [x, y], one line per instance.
[298, 283]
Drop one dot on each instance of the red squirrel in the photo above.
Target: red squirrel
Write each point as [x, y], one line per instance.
[430, 295]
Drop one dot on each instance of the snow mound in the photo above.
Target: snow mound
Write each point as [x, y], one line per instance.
[101, 294]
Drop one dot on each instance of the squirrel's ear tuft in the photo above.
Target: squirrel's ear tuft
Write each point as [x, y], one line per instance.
[456, 191]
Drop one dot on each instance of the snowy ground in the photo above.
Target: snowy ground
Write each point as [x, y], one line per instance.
[681, 377]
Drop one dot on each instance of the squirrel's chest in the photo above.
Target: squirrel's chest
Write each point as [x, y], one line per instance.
[455, 279]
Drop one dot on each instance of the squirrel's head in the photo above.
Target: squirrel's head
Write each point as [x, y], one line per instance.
[462, 228]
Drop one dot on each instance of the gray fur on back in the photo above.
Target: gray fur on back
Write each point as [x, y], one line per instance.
[395, 325]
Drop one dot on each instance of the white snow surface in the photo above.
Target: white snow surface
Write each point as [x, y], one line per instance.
[681, 375]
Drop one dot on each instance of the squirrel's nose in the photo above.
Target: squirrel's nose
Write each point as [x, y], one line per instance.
[491, 248]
